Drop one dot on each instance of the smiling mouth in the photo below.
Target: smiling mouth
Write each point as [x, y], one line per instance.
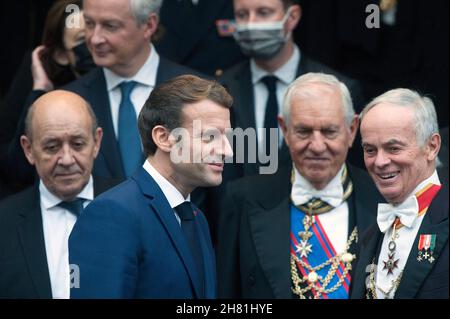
[100, 52]
[387, 179]
[216, 166]
[387, 176]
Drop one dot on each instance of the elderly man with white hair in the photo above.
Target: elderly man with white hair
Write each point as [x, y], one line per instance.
[406, 254]
[294, 234]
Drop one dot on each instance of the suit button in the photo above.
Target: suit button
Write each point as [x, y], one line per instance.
[251, 280]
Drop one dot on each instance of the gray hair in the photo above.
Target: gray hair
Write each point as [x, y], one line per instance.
[299, 87]
[424, 111]
[141, 9]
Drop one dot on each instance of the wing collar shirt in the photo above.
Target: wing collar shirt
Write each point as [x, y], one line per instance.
[334, 222]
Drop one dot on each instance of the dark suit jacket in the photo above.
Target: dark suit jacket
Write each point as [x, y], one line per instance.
[422, 280]
[191, 37]
[253, 245]
[92, 87]
[238, 80]
[128, 244]
[23, 259]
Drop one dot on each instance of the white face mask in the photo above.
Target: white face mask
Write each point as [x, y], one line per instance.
[262, 40]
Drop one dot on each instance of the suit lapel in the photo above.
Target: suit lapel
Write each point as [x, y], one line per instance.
[208, 259]
[160, 205]
[434, 222]
[98, 95]
[243, 93]
[270, 231]
[32, 240]
[367, 253]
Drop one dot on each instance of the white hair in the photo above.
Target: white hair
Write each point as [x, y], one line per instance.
[301, 88]
[425, 117]
[141, 9]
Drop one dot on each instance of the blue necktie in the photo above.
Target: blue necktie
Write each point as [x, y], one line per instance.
[189, 228]
[75, 206]
[271, 114]
[129, 140]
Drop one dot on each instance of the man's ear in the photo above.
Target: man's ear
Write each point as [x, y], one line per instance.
[353, 129]
[433, 146]
[151, 25]
[162, 138]
[294, 17]
[27, 148]
[97, 140]
[283, 126]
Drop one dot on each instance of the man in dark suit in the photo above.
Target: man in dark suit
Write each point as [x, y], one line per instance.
[264, 32]
[137, 248]
[61, 140]
[118, 34]
[199, 34]
[294, 233]
[404, 255]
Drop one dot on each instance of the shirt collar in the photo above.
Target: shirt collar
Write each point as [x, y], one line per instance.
[287, 73]
[49, 200]
[433, 179]
[173, 195]
[302, 186]
[145, 76]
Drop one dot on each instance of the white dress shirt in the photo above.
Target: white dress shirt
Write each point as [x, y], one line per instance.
[172, 194]
[57, 223]
[334, 222]
[286, 75]
[404, 243]
[145, 78]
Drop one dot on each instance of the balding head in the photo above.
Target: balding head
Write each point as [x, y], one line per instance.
[62, 140]
[56, 103]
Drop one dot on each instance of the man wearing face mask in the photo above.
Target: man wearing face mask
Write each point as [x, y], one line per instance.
[264, 33]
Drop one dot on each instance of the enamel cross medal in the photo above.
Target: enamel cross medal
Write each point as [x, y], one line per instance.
[304, 248]
[391, 263]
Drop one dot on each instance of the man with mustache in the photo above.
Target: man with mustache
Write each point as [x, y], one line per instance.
[404, 255]
[294, 234]
[61, 140]
[145, 238]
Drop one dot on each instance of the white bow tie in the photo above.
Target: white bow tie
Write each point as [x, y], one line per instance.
[407, 212]
[332, 195]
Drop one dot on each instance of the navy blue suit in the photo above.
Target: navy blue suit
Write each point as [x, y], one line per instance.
[421, 280]
[129, 244]
[92, 87]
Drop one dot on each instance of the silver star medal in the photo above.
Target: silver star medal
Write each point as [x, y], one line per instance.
[303, 248]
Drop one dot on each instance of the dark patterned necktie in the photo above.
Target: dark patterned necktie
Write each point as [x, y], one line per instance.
[75, 206]
[271, 113]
